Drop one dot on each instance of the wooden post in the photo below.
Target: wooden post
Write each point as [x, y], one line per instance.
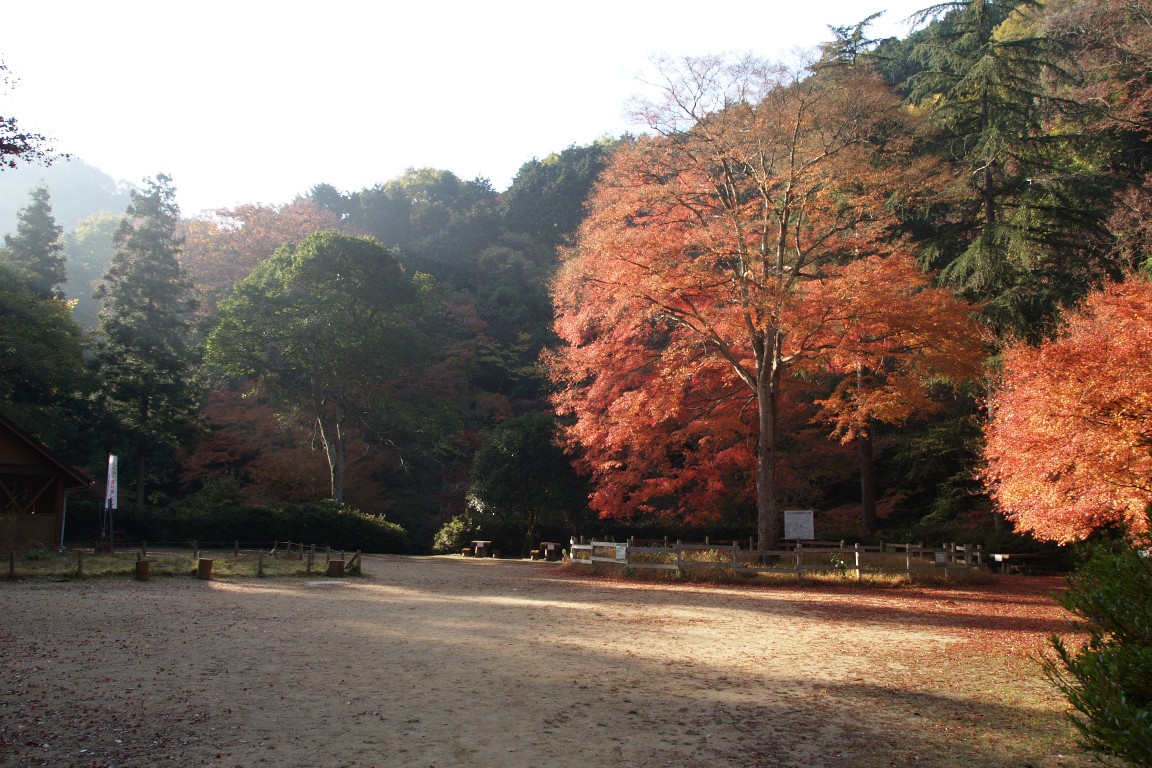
[12, 564]
[195, 550]
[203, 569]
[857, 550]
[311, 555]
[143, 570]
[144, 548]
[327, 554]
[799, 560]
[908, 559]
[979, 554]
[79, 562]
[260, 563]
[236, 550]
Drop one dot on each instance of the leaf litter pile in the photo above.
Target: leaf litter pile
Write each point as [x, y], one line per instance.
[453, 662]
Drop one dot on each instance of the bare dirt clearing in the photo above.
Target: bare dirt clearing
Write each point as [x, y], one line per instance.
[443, 661]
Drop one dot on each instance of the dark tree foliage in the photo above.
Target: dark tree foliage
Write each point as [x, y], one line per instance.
[1108, 681]
[36, 249]
[1020, 228]
[42, 373]
[144, 358]
[547, 197]
[329, 327]
[523, 483]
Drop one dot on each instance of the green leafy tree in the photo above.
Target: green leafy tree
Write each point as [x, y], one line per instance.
[547, 197]
[88, 250]
[329, 328]
[522, 481]
[42, 374]
[36, 249]
[144, 359]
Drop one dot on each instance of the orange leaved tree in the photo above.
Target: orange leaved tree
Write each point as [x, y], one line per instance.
[222, 250]
[1069, 445]
[720, 256]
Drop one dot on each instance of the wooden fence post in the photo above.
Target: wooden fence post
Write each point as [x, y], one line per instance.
[260, 563]
[856, 547]
[12, 564]
[311, 556]
[799, 560]
[79, 562]
[236, 550]
[195, 550]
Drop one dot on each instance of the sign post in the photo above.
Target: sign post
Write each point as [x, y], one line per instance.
[799, 524]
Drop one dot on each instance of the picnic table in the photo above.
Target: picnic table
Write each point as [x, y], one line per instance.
[481, 548]
[551, 550]
[1018, 562]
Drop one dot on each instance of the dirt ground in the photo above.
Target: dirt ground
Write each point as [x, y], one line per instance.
[445, 661]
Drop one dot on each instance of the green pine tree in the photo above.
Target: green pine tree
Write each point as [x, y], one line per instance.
[144, 358]
[36, 249]
[1021, 227]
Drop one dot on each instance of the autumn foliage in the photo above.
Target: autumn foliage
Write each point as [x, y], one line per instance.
[747, 248]
[1070, 443]
[221, 251]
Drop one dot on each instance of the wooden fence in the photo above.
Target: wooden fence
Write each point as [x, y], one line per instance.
[176, 558]
[796, 558]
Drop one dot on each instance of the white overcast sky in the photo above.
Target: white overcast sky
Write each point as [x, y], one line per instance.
[246, 101]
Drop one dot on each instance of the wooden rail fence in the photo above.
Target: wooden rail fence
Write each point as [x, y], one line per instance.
[798, 558]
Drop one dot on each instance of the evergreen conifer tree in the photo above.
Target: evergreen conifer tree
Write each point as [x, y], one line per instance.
[144, 358]
[36, 249]
[1021, 220]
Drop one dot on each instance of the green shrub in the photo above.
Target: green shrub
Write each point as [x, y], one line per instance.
[1108, 680]
[454, 535]
[217, 516]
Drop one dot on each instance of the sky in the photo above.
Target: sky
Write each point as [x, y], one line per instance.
[256, 102]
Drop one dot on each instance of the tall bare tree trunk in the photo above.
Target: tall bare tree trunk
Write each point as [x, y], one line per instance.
[767, 390]
[332, 435]
[867, 484]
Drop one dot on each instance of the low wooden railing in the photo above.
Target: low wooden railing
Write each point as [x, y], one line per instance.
[798, 558]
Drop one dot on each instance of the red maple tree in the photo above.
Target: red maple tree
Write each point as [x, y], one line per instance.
[1069, 445]
[717, 260]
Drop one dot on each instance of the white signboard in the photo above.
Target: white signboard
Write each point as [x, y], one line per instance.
[798, 524]
[622, 552]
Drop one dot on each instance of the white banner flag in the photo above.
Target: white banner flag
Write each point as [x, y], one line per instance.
[111, 494]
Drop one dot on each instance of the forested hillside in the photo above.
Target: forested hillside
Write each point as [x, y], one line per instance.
[805, 286]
